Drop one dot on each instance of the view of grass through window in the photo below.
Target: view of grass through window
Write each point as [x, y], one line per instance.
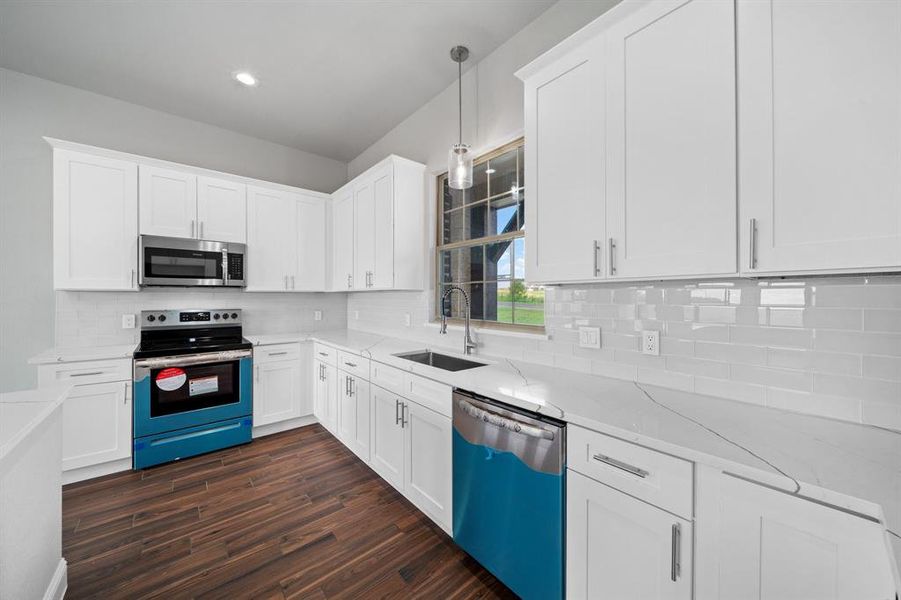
[482, 245]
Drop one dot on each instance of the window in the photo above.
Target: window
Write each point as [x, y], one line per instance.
[481, 244]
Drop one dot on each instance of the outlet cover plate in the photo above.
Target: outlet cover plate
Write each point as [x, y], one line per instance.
[128, 321]
[589, 337]
[317, 315]
[650, 343]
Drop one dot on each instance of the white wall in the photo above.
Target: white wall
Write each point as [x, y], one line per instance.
[31, 108]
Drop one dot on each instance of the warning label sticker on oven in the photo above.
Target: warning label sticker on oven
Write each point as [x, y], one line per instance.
[170, 379]
[203, 385]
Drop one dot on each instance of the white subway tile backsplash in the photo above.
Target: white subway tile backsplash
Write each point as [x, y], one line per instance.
[829, 345]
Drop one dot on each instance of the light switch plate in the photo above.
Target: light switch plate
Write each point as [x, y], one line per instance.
[128, 321]
[317, 315]
[650, 343]
[589, 337]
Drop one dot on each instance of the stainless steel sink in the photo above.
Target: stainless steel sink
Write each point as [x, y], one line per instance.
[440, 361]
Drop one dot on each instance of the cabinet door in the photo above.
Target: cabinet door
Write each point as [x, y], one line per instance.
[343, 241]
[382, 272]
[428, 468]
[565, 170]
[364, 232]
[387, 436]
[168, 202]
[820, 144]
[325, 390]
[97, 424]
[353, 414]
[95, 222]
[671, 195]
[620, 547]
[276, 392]
[771, 545]
[311, 244]
[221, 210]
[271, 240]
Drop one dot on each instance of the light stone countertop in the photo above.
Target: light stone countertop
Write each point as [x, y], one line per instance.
[79, 354]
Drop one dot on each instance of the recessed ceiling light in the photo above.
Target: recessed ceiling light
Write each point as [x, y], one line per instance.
[246, 78]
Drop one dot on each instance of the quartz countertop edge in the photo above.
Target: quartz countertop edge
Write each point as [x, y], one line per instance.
[66, 355]
[21, 413]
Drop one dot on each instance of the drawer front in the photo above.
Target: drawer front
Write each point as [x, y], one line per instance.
[353, 364]
[326, 354]
[389, 378]
[430, 394]
[276, 352]
[83, 373]
[659, 479]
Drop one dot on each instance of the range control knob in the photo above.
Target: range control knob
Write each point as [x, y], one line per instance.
[224, 315]
[151, 318]
[234, 315]
[162, 318]
[216, 316]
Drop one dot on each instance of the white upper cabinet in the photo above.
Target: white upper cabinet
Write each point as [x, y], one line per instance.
[670, 106]
[95, 222]
[564, 168]
[311, 243]
[819, 135]
[168, 201]
[378, 230]
[221, 210]
[271, 240]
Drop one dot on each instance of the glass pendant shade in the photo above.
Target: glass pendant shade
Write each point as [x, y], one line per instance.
[459, 167]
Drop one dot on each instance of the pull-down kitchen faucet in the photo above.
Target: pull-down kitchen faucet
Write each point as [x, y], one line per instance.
[468, 344]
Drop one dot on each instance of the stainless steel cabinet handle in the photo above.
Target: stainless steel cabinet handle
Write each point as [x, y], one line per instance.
[352, 382]
[611, 250]
[752, 241]
[286, 282]
[621, 465]
[350, 279]
[676, 571]
[323, 354]
[396, 411]
[257, 369]
[292, 282]
[125, 396]
[192, 228]
[350, 364]
[277, 353]
[86, 374]
[597, 266]
[132, 278]
[201, 230]
[404, 412]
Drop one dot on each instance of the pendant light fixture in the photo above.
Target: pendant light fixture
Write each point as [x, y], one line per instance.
[459, 159]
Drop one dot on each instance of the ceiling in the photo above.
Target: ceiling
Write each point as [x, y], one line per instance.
[335, 76]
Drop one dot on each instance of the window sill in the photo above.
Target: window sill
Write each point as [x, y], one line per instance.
[491, 331]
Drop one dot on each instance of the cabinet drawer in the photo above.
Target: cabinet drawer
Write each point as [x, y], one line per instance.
[656, 478]
[389, 378]
[82, 373]
[276, 352]
[353, 364]
[428, 393]
[326, 354]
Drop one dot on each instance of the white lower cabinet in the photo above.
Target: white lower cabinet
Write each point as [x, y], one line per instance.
[386, 455]
[353, 413]
[620, 547]
[325, 394]
[757, 542]
[278, 385]
[97, 424]
[428, 464]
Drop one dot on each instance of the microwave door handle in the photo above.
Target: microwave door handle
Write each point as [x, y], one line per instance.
[225, 266]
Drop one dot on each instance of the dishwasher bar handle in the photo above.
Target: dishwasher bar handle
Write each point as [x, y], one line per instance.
[504, 422]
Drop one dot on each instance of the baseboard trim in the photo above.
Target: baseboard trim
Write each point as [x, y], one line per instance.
[93, 471]
[264, 430]
[58, 585]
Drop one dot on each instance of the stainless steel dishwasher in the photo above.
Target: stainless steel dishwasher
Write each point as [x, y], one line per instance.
[509, 475]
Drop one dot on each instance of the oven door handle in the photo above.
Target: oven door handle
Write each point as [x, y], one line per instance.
[192, 359]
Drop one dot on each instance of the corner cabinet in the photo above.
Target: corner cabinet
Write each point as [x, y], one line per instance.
[820, 144]
[378, 240]
[95, 222]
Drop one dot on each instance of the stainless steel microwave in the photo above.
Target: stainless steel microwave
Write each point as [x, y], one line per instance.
[183, 262]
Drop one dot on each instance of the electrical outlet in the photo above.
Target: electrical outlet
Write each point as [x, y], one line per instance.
[589, 337]
[317, 315]
[128, 321]
[407, 319]
[650, 343]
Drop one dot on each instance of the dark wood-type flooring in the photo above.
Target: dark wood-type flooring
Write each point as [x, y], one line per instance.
[292, 515]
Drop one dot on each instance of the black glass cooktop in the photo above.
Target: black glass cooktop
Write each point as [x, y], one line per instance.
[190, 341]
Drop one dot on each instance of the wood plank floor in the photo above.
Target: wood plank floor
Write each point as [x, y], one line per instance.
[292, 515]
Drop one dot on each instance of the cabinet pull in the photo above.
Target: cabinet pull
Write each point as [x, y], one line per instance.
[597, 266]
[321, 372]
[752, 242]
[676, 571]
[350, 280]
[323, 354]
[132, 278]
[350, 364]
[353, 385]
[292, 282]
[86, 374]
[257, 373]
[611, 250]
[621, 465]
[286, 282]
[201, 230]
[396, 411]
[125, 396]
[192, 228]
[277, 353]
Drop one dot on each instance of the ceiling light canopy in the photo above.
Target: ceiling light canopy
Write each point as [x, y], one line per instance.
[245, 78]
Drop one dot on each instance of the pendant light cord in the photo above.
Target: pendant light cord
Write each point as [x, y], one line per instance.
[460, 99]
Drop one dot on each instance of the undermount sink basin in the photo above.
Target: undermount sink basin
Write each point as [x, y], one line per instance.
[440, 361]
